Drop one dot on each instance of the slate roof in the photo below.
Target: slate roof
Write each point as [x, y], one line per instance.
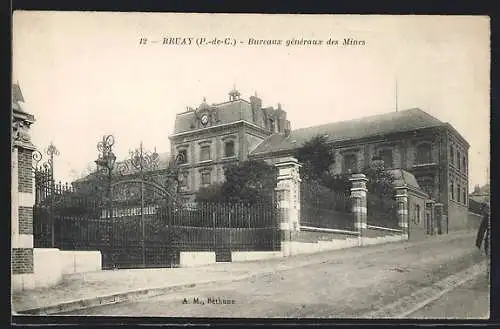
[403, 177]
[226, 113]
[164, 159]
[406, 120]
[17, 97]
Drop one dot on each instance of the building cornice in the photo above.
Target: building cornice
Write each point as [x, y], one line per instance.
[220, 127]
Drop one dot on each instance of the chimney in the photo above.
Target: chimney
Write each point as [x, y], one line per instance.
[287, 132]
[256, 104]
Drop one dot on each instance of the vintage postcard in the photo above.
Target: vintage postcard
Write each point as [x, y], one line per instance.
[250, 165]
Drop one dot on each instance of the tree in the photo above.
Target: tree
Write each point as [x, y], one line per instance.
[249, 181]
[380, 181]
[209, 193]
[316, 157]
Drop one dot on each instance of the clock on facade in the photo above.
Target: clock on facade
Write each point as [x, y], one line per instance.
[204, 119]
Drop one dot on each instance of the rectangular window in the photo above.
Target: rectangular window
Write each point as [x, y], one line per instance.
[458, 192]
[458, 159]
[386, 156]
[464, 196]
[205, 153]
[229, 148]
[350, 163]
[452, 155]
[183, 179]
[452, 189]
[205, 178]
[464, 164]
[424, 155]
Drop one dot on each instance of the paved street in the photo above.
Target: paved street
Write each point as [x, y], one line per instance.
[470, 301]
[336, 288]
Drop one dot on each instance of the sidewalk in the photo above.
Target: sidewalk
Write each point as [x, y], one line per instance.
[84, 290]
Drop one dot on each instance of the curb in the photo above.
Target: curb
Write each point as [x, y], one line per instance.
[133, 295]
[405, 306]
[119, 297]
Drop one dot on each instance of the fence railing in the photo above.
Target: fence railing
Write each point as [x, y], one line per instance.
[382, 211]
[325, 208]
[160, 235]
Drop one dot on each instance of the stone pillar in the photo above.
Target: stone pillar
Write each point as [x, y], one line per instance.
[438, 213]
[22, 199]
[429, 206]
[359, 209]
[288, 199]
[402, 202]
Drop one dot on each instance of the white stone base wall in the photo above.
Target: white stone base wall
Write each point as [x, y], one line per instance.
[383, 239]
[307, 247]
[196, 258]
[47, 267]
[242, 256]
[80, 261]
[295, 248]
[21, 282]
[50, 264]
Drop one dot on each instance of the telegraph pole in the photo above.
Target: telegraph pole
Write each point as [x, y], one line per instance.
[396, 95]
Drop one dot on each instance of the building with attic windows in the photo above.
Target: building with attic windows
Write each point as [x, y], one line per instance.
[211, 136]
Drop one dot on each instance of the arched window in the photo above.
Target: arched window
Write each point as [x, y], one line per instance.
[424, 153]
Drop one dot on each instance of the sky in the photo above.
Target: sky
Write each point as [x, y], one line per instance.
[85, 74]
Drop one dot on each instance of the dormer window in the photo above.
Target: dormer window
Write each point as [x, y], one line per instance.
[182, 156]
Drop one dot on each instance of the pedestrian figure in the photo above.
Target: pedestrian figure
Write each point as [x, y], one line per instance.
[483, 233]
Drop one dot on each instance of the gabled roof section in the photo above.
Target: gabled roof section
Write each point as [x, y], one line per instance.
[17, 95]
[18, 109]
[388, 123]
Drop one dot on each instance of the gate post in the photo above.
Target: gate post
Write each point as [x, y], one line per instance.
[359, 210]
[429, 204]
[288, 198]
[438, 213]
[22, 196]
[402, 202]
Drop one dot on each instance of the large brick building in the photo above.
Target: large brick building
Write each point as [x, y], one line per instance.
[212, 136]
